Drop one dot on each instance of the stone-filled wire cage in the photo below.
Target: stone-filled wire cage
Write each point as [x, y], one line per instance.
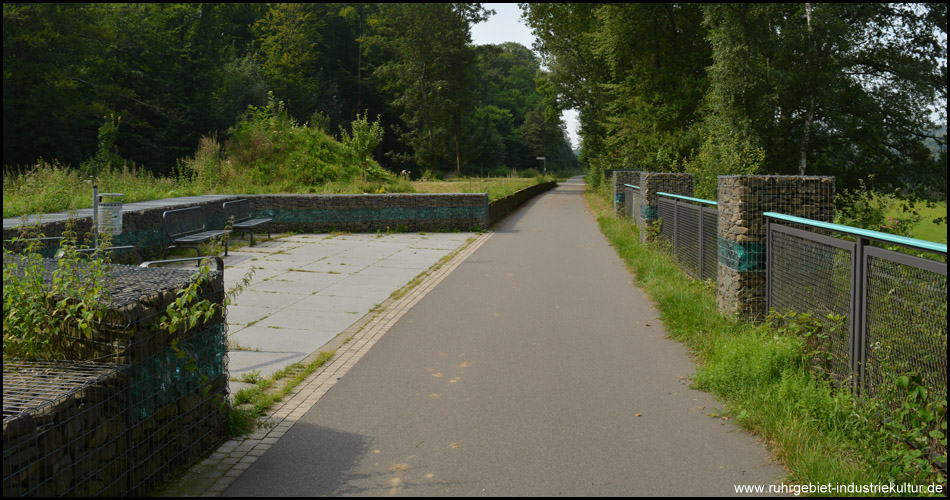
[742, 235]
[63, 429]
[134, 401]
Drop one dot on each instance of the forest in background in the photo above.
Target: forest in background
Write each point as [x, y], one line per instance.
[98, 86]
[854, 91]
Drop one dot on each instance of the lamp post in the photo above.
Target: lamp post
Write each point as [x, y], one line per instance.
[545, 164]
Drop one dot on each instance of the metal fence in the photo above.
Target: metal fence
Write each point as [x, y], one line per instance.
[883, 312]
[689, 225]
[631, 200]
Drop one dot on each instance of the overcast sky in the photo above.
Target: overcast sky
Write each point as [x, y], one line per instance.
[506, 26]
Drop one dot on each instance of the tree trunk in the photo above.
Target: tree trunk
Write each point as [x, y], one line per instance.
[803, 149]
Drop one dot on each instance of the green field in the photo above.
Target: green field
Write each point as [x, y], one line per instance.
[926, 229]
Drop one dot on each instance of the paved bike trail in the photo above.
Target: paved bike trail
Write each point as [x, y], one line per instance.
[536, 368]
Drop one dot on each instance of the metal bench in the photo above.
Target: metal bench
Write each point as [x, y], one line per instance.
[239, 213]
[185, 228]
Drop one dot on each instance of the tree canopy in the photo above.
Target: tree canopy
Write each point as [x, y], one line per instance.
[160, 77]
[849, 90]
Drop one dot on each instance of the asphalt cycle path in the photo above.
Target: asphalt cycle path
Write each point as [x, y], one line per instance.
[536, 368]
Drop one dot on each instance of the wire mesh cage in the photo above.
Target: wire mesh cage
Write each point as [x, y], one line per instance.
[742, 231]
[64, 431]
[169, 390]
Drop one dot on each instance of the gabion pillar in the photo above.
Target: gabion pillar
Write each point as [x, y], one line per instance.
[657, 182]
[741, 283]
[621, 177]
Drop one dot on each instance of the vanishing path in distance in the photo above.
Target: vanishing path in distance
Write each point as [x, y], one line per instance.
[522, 373]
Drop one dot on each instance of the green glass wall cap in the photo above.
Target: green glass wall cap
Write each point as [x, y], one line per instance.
[167, 377]
[648, 212]
[373, 214]
[742, 257]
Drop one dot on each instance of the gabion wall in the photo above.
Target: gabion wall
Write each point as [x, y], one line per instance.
[651, 183]
[308, 213]
[64, 431]
[741, 277]
[621, 177]
[160, 403]
[369, 213]
[501, 207]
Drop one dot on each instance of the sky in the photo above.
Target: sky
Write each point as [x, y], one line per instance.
[506, 26]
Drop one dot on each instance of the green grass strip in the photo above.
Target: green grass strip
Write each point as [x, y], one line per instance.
[252, 402]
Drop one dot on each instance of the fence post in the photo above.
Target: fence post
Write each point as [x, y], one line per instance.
[702, 246]
[857, 348]
[676, 217]
[768, 265]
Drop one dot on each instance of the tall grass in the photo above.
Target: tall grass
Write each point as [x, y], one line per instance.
[268, 153]
[822, 434]
[496, 187]
[51, 187]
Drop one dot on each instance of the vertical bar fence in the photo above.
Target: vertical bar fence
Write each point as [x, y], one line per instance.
[689, 226]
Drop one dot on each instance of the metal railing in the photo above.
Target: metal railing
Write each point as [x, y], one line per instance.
[689, 225]
[883, 312]
[632, 203]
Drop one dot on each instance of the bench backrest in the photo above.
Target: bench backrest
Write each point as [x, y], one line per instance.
[239, 209]
[183, 221]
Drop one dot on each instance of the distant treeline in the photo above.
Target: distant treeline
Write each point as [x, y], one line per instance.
[842, 89]
[149, 80]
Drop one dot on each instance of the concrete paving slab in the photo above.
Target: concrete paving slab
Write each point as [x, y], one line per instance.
[436, 244]
[280, 284]
[234, 276]
[306, 289]
[324, 302]
[413, 258]
[339, 264]
[281, 339]
[288, 318]
[390, 273]
[285, 258]
[266, 299]
[245, 315]
[362, 286]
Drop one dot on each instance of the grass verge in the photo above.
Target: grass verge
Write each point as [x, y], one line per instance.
[821, 434]
[251, 403]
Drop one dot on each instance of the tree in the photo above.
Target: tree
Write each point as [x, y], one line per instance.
[831, 89]
[430, 55]
[364, 139]
[576, 75]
